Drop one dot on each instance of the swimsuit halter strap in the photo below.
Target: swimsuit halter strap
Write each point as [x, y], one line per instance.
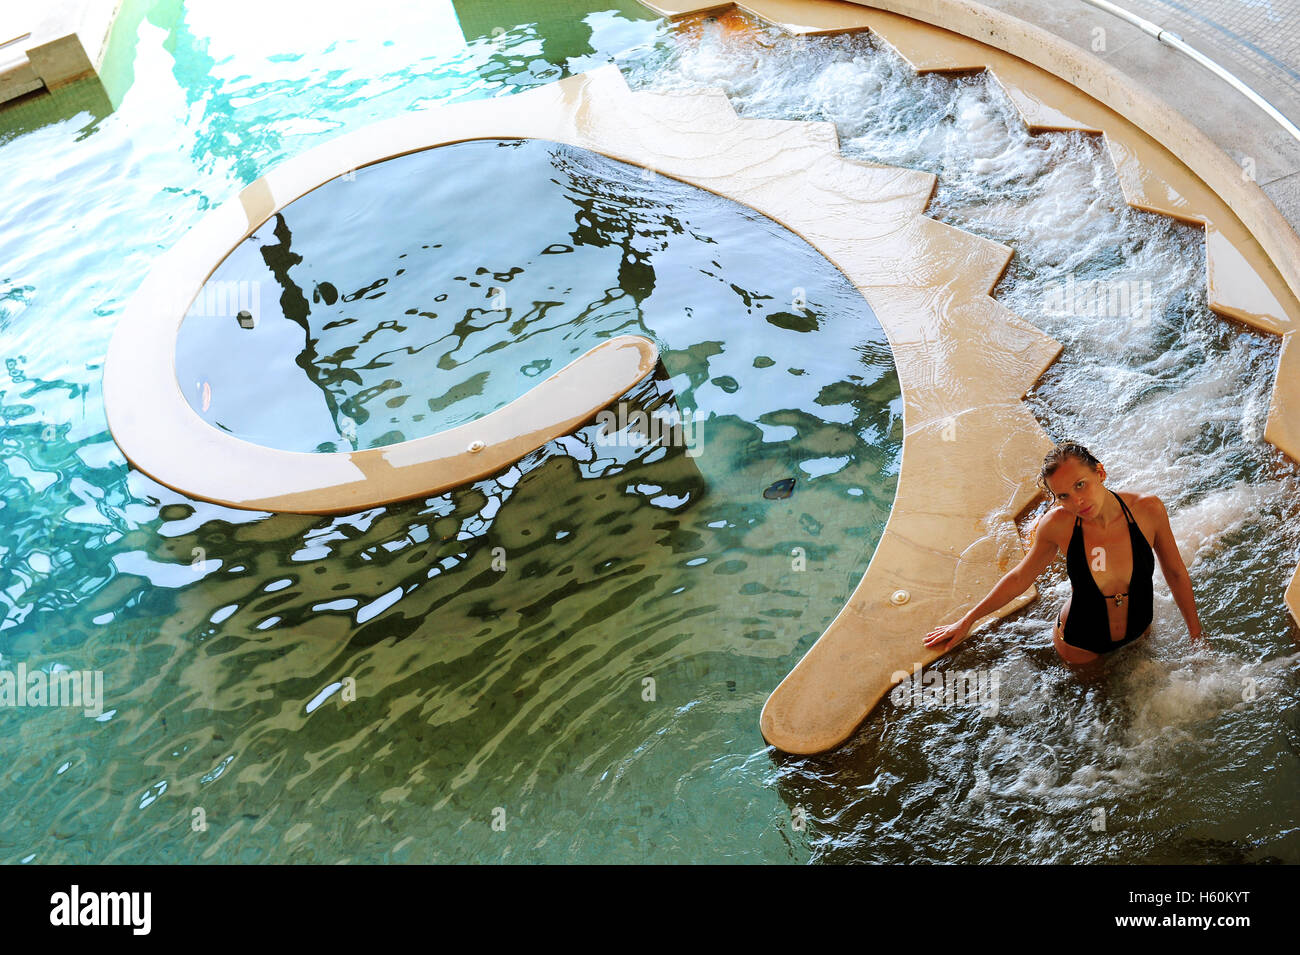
[1131, 523]
[1127, 516]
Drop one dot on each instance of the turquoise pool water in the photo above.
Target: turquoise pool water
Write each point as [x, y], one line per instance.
[233, 643]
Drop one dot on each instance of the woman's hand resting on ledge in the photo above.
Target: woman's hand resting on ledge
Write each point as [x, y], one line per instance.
[951, 635]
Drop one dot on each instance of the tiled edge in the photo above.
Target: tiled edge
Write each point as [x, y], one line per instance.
[1244, 282]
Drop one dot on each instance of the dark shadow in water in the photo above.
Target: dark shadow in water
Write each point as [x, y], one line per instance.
[280, 259]
[43, 107]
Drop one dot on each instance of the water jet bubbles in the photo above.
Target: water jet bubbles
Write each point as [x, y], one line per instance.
[1250, 420]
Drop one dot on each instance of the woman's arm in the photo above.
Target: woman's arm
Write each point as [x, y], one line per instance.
[1171, 565]
[1015, 582]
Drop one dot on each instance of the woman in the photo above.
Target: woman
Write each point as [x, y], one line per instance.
[1104, 536]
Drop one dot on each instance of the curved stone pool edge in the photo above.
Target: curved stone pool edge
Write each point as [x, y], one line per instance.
[1244, 283]
[928, 284]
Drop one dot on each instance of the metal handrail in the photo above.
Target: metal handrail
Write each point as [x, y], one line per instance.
[1171, 39]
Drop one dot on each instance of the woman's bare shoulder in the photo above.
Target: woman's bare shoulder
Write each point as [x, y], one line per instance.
[1055, 525]
[1141, 504]
[1147, 509]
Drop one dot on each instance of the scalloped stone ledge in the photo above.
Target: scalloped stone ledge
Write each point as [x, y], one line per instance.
[964, 361]
[1244, 283]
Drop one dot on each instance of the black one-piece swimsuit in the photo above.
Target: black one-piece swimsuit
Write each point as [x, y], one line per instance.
[1088, 626]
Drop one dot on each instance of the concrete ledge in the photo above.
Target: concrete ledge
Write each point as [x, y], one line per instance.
[161, 434]
[44, 45]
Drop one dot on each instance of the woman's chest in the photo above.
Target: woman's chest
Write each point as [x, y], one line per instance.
[1111, 553]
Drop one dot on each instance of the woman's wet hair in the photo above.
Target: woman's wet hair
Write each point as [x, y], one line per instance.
[1056, 457]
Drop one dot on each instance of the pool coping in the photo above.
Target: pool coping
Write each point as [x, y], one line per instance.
[964, 361]
[59, 42]
[160, 433]
[1244, 282]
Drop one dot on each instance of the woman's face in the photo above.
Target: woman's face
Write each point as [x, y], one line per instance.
[1077, 487]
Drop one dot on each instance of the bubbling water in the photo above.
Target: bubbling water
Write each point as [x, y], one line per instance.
[1168, 395]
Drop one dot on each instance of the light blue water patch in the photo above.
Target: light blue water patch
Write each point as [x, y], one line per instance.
[819, 467]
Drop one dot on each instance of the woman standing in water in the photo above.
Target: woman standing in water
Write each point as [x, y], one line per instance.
[1104, 536]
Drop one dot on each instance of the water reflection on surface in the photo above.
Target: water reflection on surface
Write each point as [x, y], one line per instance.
[375, 685]
[428, 290]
